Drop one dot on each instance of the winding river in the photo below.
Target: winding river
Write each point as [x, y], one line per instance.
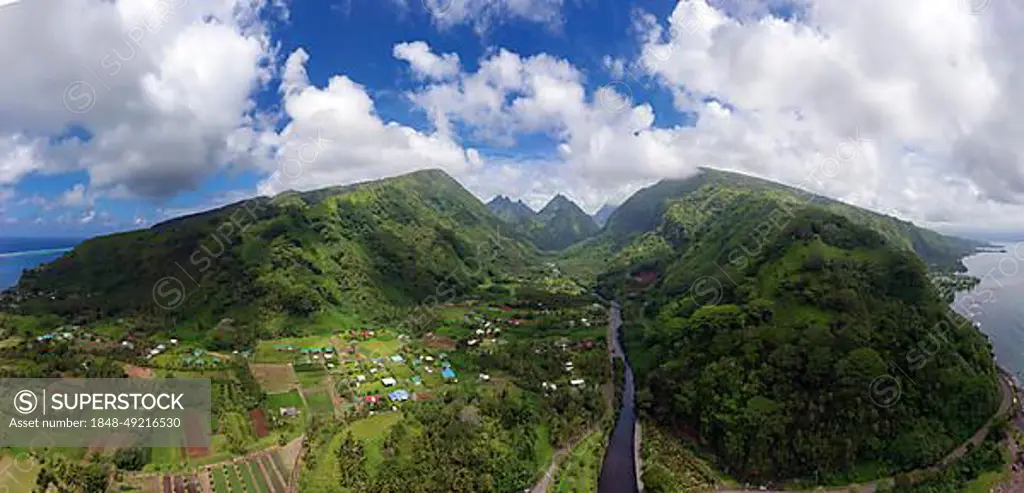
[618, 472]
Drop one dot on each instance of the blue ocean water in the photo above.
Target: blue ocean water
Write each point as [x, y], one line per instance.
[997, 303]
[18, 254]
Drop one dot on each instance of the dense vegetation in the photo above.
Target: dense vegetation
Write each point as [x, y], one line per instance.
[643, 212]
[364, 248]
[988, 457]
[767, 325]
[558, 225]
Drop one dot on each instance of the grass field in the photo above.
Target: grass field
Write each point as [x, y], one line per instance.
[381, 346]
[319, 402]
[285, 399]
[371, 430]
[580, 471]
[272, 351]
[311, 377]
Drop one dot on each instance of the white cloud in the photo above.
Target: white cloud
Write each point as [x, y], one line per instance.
[933, 94]
[162, 87]
[334, 135]
[606, 145]
[424, 63]
[77, 196]
[482, 14]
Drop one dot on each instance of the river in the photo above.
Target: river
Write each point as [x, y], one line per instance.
[618, 472]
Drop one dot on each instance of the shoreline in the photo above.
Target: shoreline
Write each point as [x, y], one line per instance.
[29, 253]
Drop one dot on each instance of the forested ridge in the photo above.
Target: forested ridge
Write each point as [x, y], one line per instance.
[768, 323]
[558, 225]
[366, 248]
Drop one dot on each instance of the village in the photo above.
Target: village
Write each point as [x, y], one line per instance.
[363, 376]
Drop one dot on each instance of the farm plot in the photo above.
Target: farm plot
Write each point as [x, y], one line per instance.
[319, 402]
[274, 378]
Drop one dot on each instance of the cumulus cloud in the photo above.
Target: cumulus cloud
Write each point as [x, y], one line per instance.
[931, 91]
[482, 14]
[156, 94]
[605, 145]
[334, 135]
[424, 63]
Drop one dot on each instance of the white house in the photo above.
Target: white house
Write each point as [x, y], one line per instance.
[388, 382]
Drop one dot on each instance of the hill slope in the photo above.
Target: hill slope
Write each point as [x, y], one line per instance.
[362, 248]
[773, 328]
[513, 212]
[643, 212]
[558, 225]
[562, 223]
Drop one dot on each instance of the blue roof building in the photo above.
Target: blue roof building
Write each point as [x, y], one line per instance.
[399, 395]
[448, 373]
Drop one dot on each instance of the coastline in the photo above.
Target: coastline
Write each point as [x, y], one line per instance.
[991, 248]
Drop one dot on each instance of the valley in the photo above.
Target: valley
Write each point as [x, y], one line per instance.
[719, 332]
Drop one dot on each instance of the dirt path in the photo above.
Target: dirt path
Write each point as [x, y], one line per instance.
[556, 462]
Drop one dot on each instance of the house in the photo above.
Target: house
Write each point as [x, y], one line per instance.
[548, 386]
[371, 399]
[397, 358]
[289, 412]
[472, 342]
[417, 380]
[399, 395]
[577, 382]
[448, 373]
[360, 378]
[429, 358]
[485, 377]
[388, 381]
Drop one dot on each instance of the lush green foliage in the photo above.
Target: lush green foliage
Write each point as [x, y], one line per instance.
[988, 457]
[364, 248]
[769, 324]
[558, 225]
[645, 210]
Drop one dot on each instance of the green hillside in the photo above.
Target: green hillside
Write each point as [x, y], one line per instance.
[643, 212]
[759, 322]
[363, 248]
[513, 212]
[558, 225]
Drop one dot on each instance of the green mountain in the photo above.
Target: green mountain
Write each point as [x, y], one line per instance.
[558, 225]
[562, 223]
[361, 248]
[602, 214]
[513, 212]
[793, 336]
[644, 212]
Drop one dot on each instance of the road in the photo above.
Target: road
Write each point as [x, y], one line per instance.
[615, 351]
[1004, 406]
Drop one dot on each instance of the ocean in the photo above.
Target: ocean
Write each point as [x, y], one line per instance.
[997, 303]
[18, 254]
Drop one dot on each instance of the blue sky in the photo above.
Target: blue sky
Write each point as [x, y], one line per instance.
[355, 38]
[146, 110]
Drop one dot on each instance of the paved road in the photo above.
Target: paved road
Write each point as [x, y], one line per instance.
[1004, 406]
